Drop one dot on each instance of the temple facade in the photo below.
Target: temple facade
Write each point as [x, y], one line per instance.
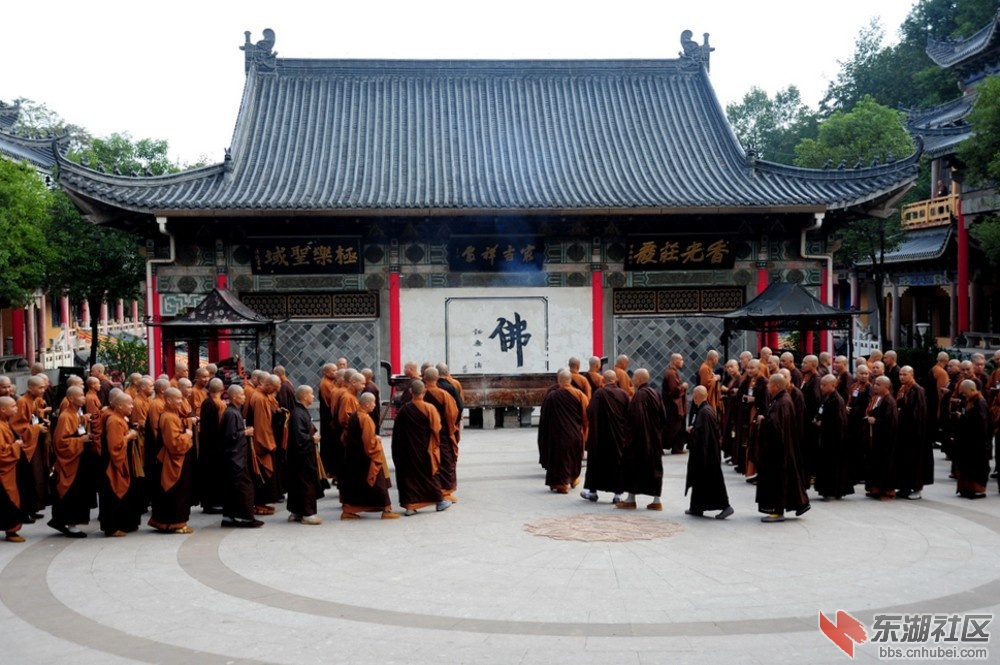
[498, 215]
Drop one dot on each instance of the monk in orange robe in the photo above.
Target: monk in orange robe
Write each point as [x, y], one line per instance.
[10, 453]
[447, 409]
[624, 380]
[172, 495]
[71, 440]
[364, 484]
[260, 416]
[119, 511]
[30, 424]
[578, 380]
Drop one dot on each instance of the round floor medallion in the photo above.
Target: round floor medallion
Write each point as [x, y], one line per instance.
[616, 528]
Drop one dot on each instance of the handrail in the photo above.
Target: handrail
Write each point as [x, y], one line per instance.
[930, 213]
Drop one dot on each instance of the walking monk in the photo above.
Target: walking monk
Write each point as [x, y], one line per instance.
[364, 483]
[704, 465]
[562, 430]
[643, 461]
[416, 453]
[606, 440]
[779, 479]
[119, 510]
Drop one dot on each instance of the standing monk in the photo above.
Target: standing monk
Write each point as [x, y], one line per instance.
[812, 395]
[972, 443]
[10, 452]
[447, 409]
[709, 379]
[303, 474]
[364, 483]
[31, 426]
[883, 419]
[833, 463]
[730, 388]
[643, 457]
[704, 468]
[71, 505]
[675, 405]
[752, 395]
[562, 430]
[594, 376]
[858, 430]
[578, 380]
[416, 453]
[937, 391]
[172, 495]
[621, 374]
[260, 414]
[327, 387]
[779, 479]
[913, 466]
[119, 511]
[605, 440]
[210, 455]
[236, 478]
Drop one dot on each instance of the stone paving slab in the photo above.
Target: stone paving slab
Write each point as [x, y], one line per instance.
[474, 585]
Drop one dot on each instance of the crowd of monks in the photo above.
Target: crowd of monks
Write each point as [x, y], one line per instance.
[786, 428]
[160, 447]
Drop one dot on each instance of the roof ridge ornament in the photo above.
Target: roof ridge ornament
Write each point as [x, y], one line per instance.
[261, 54]
[694, 54]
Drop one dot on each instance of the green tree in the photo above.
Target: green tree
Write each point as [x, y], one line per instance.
[123, 357]
[981, 154]
[24, 204]
[772, 127]
[866, 132]
[870, 239]
[93, 264]
[119, 152]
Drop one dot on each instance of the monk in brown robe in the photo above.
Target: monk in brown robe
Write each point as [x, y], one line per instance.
[172, 495]
[364, 483]
[119, 514]
[642, 459]
[730, 389]
[833, 462]
[621, 373]
[753, 398]
[913, 466]
[858, 431]
[812, 395]
[562, 430]
[416, 453]
[844, 377]
[447, 408]
[31, 426]
[971, 452]
[97, 371]
[10, 451]
[883, 421]
[578, 380]
[704, 464]
[787, 361]
[675, 406]
[779, 479]
[303, 474]
[937, 390]
[327, 386]
[606, 440]
[72, 435]
[209, 472]
[261, 410]
[237, 466]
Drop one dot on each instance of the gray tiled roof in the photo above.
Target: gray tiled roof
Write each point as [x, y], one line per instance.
[948, 53]
[40, 153]
[944, 127]
[918, 245]
[374, 135]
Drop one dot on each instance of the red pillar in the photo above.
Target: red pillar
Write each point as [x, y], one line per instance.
[809, 342]
[963, 273]
[597, 305]
[825, 340]
[17, 323]
[395, 352]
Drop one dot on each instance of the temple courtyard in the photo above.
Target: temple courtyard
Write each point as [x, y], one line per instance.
[512, 574]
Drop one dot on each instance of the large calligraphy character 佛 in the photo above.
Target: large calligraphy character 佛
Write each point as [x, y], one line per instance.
[513, 335]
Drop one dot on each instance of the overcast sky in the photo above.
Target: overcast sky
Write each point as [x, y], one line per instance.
[174, 71]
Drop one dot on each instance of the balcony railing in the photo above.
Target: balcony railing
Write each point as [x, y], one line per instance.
[930, 212]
